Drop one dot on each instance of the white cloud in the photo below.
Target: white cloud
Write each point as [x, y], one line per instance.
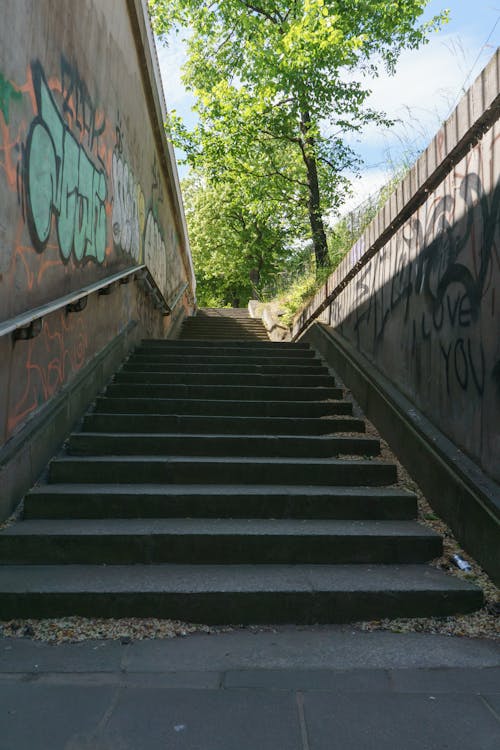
[426, 86]
[363, 187]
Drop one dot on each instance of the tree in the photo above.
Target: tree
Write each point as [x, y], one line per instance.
[267, 73]
[237, 241]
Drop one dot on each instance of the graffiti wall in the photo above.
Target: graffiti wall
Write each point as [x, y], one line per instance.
[423, 308]
[87, 187]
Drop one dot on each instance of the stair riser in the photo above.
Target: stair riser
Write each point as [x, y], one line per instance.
[116, 505]
[219, 425]
[234, 331]
[222, 392]
[133, 366]
[237, 361]
[223, 349]
[235, 607]
[216, 549]
[220, 472]
[224, 323]
[210, 407]
[273, 381]
[281, 347]
[159, 445]
[208, 336]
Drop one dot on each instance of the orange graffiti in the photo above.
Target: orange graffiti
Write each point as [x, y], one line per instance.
[59, 352]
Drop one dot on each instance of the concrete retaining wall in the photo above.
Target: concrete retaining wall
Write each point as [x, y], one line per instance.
[411, 321]
[419, 294]
[88, 188]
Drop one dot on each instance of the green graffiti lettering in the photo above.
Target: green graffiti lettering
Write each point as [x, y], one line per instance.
[7, 92]
[62, 180]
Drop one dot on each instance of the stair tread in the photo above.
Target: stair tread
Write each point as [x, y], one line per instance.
[285, 422]
[220, 407]
[167, 577]
[203, 437]
[167, 343]
[261, 527]
[220, 489]
[278, 460]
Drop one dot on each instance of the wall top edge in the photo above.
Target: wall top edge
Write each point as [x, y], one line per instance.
[143, 34]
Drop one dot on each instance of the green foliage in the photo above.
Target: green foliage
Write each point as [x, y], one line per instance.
[297, 289]
[236, 240]
[265, 74]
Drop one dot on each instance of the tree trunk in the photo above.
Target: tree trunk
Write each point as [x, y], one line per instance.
[315, 218]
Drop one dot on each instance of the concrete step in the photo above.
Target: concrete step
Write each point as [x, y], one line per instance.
[232, 594]
[218, 501]
[224, 392]
[153, 358]
[213, 470]
[207, 467]
[283, 380]
[218, 407]
[181, 444]
[223, 312]
[278, 426]
[234, 349]
[198, 541]
[278, 347]
[216, 335]
[132, 365]
[223, 323]
[222, 320]
[220, 327]
[233, 332]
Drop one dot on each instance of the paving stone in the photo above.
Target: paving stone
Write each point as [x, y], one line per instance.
[456, 680]
[335, 647]
[41, 717]
[354, 680]
[493, 702]
[378, 721]
[23, 655]
[205, 720]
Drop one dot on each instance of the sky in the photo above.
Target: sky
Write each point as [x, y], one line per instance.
[424, 91]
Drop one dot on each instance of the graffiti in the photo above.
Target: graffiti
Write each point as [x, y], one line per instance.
[464, 364]
[128, 209]
[48, 361]
[7, 92]
[155, 253]
[425, 277]
[157, 185]
[78, 105]
[61, 179]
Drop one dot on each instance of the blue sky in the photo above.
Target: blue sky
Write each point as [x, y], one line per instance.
[427, 84]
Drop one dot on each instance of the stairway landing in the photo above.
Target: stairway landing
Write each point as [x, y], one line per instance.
[223, 324]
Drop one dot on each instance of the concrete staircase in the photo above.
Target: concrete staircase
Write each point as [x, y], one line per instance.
[226, 323]
[223, 482]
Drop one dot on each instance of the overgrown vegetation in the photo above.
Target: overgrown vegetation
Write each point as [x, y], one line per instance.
[293, 290]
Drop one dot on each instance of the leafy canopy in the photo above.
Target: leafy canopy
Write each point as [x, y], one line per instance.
[278, 85]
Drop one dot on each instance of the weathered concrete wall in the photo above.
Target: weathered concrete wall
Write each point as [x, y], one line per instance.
[88, 188]
[419, 294]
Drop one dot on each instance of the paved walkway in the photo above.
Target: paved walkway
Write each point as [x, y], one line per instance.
[328, 688]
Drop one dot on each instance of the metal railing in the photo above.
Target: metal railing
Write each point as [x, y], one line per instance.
[29, 324]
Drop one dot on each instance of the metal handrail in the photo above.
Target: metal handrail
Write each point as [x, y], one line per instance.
[25, 319]
[178, 296]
